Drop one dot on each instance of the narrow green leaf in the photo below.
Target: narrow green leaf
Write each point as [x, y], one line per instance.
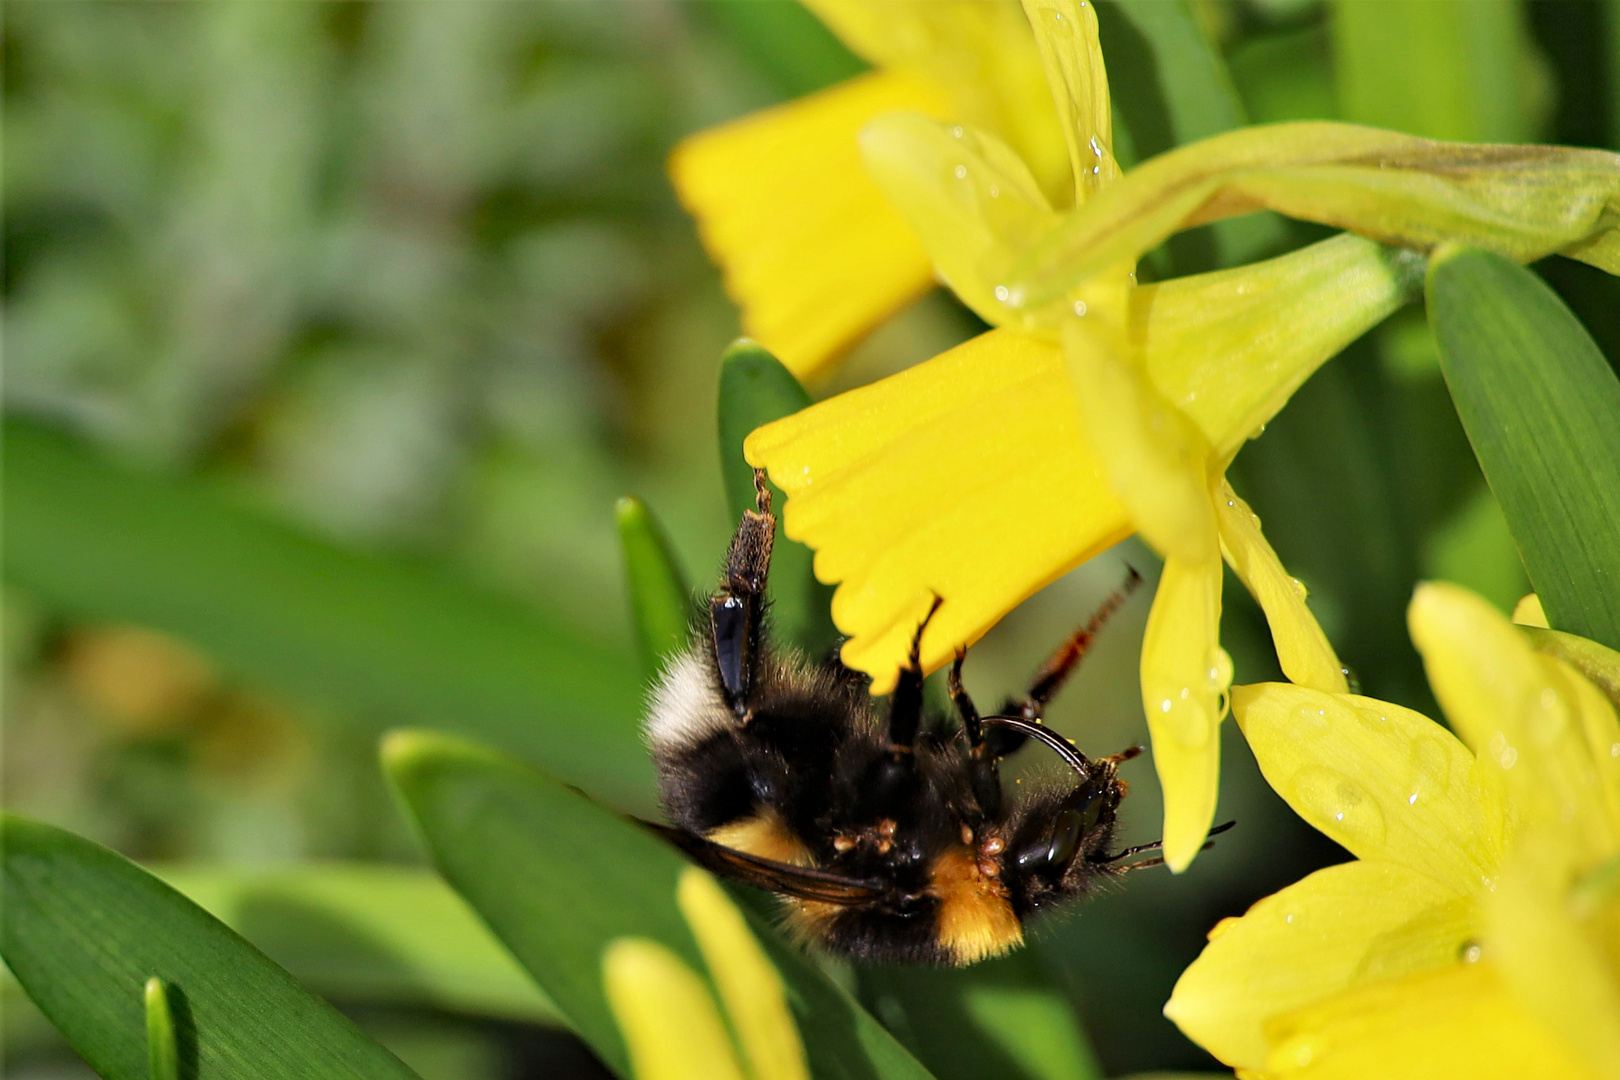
[1449, 69]
[86, 928]
[755, 389]
[1171, 87]
[1000, 1018]
[370, 933]
[384, 638]
[162, 1055]
[788, 45]
[660, 598]
[558, 877]
[1542, 409]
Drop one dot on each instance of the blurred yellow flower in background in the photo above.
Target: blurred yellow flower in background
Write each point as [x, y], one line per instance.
[814, 253]
[669, 1019]
[1478, 932]
[1100, 407]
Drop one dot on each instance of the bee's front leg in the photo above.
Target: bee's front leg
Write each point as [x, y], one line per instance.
[736, 613]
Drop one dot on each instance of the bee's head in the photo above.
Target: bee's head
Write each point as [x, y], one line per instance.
[1057, 851]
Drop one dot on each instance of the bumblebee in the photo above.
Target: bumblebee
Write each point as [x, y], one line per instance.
[889, 835]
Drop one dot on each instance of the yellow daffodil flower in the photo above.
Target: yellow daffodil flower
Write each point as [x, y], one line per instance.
[1477, 933]
[669, 1019]
[813, 252]
[1102, 408]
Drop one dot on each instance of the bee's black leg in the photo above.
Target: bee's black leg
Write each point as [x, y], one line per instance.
[1059, 666]
[983, 767]
[737, 611]
[905, 705]
[964, 704]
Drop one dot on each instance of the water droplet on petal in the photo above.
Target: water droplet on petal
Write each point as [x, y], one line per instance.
[1002, 293]
[1311, 721]
[1080, 308]
[1431, 766]
[956, 131]
[1340, 807]
[1059, 23]
[1470, 951]
[960, 172]
[1545, 718]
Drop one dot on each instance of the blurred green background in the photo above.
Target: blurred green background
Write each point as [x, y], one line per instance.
[332, 332]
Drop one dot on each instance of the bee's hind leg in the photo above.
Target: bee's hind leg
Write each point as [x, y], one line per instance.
[736, 612]
[1058, 667]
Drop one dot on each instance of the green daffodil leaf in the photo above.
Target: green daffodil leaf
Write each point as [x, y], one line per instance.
[754, 390]
[369, 932]
[1002, 1017]
[1521, 201]
[84, 931]
[380, 638]
[559, 878]
[1540, 405]
[660, 598]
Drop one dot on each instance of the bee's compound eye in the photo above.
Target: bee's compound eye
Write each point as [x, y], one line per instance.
[1053, 849]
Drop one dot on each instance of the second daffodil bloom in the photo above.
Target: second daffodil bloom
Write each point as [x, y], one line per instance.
[1099, 408]
[669, 1019]
[813, 251]
[1477, 933]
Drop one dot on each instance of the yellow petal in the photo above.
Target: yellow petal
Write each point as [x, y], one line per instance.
[1457, 1021]
[669, 1021]
[1339, 928]
[748, 982]
[1521, 201]
[968, 196]
[1185, 676]
[965, 476]
[1562, 967]
[983, 55]
[1229, 348]
[1066, 33]
[1385, 782]
[1302, 648]
[811, 249]
[1155, 458]
[1532, 719]
[1529, 612]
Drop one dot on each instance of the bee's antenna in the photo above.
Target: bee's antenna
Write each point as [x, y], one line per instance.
[1128, 852]
[1041, 733]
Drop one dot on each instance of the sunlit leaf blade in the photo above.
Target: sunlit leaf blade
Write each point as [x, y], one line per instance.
[1001, 1018]
[660, 598]
[1171, 88]
[85, 929]
[558, 877]
[1447, 69]
[162, 1053]
[386, 639]
[755, 389]
[1542, 410]
[377, 934]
